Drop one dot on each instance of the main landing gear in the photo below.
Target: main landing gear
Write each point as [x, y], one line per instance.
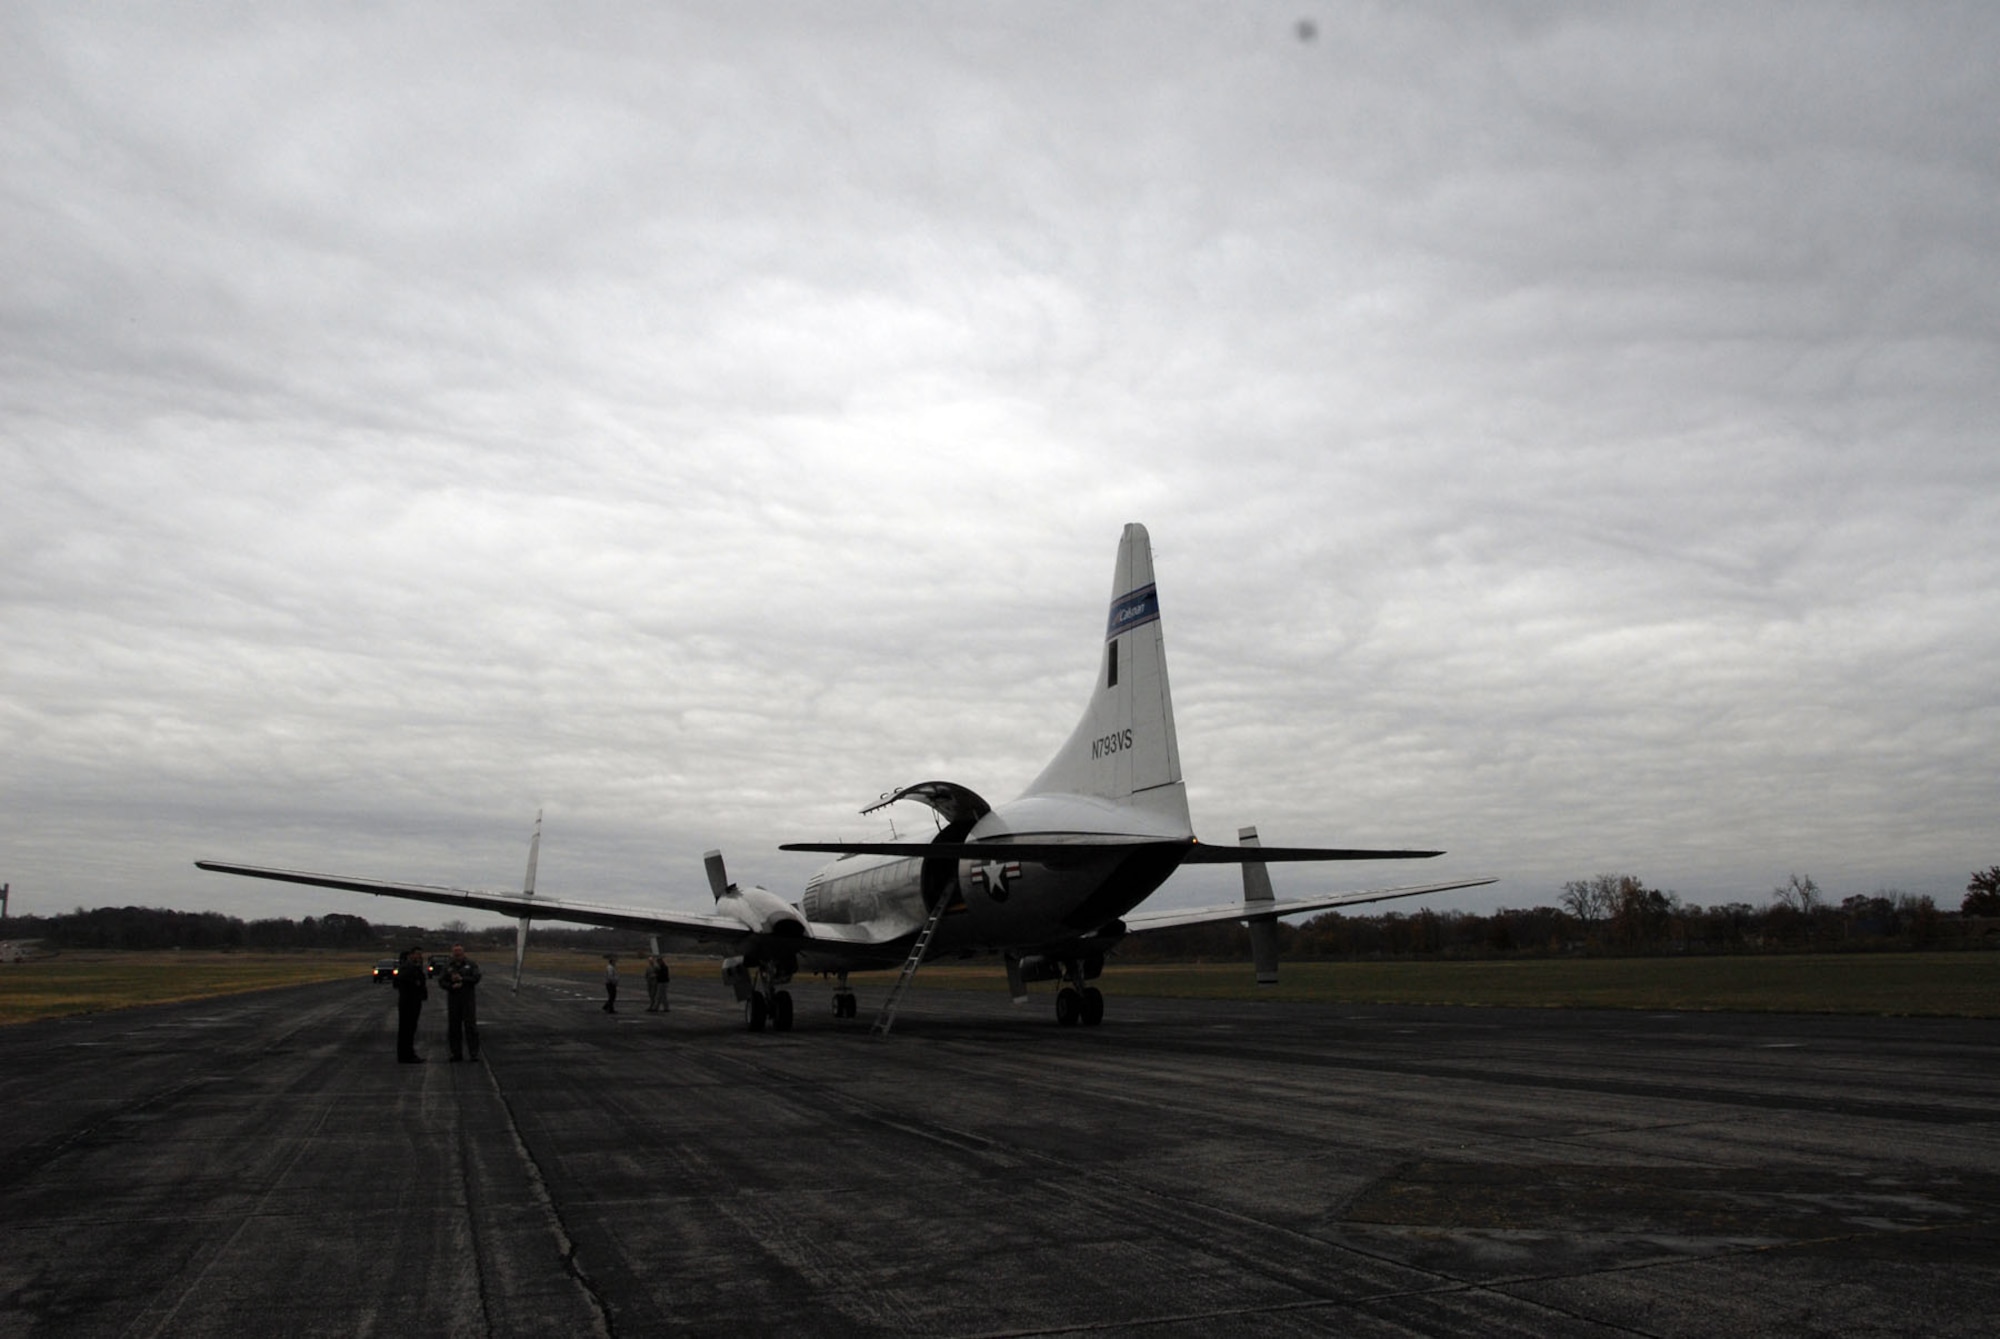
[843, 999]
[769, 1006]
[1078, 1002]
[765, 1002]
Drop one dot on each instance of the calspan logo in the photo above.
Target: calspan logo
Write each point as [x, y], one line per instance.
[1129, 611]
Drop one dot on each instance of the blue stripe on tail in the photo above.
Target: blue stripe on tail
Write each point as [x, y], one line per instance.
[1130, 611]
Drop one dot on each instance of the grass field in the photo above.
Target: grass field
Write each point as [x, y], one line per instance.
[82, 981]
[1964, 985]
[85, 982]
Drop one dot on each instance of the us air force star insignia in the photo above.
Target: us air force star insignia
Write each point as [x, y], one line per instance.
[995, 875]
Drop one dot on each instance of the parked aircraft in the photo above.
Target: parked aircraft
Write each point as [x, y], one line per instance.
[1050, 882]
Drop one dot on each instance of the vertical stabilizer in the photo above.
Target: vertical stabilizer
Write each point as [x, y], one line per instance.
[1263, 929]
[1124, 747]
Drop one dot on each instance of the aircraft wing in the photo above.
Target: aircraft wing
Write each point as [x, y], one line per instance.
[691, 925]
[1141, 921]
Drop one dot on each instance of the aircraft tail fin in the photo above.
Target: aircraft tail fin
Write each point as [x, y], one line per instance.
[1263, 929]
[1124, 748]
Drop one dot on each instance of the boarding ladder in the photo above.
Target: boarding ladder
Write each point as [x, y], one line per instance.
[887, 1017]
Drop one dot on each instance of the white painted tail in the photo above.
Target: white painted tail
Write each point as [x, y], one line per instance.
[1124, 748]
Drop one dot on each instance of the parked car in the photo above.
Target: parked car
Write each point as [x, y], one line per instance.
[385, 971]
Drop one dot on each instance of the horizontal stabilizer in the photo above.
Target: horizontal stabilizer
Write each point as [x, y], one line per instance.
[1077, 852]
[1258, 855]
[1194, 853]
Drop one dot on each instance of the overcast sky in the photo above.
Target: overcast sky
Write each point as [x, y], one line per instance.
[1567, 433]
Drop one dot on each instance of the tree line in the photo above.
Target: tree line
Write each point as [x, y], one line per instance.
[1613, 914]
[158, 928]
[1606, 914]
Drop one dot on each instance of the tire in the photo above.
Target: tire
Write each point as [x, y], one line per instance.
[1069, 1005]
[755, 1011]
[1093, 1006]
[781, 1011]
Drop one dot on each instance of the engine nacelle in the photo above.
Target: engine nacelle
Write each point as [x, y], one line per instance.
[763, 912]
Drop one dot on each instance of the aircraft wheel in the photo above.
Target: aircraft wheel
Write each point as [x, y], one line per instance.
[781, 1011]
[1069, 1005]
[755, 1011]
[1093, 1006]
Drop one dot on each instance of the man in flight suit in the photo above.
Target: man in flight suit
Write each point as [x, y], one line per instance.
[460, 977]
[411, 992]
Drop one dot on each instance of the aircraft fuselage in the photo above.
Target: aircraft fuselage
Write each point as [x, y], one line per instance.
[997, 904]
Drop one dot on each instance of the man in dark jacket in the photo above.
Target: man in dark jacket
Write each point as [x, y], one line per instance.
[411, 992]
[460, 977]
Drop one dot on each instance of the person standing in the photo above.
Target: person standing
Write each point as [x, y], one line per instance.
[611, 983]
[653, 984]
[461, 1004]
[411, 992]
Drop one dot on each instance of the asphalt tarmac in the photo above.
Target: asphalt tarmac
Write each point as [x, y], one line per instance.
[261, 1166]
